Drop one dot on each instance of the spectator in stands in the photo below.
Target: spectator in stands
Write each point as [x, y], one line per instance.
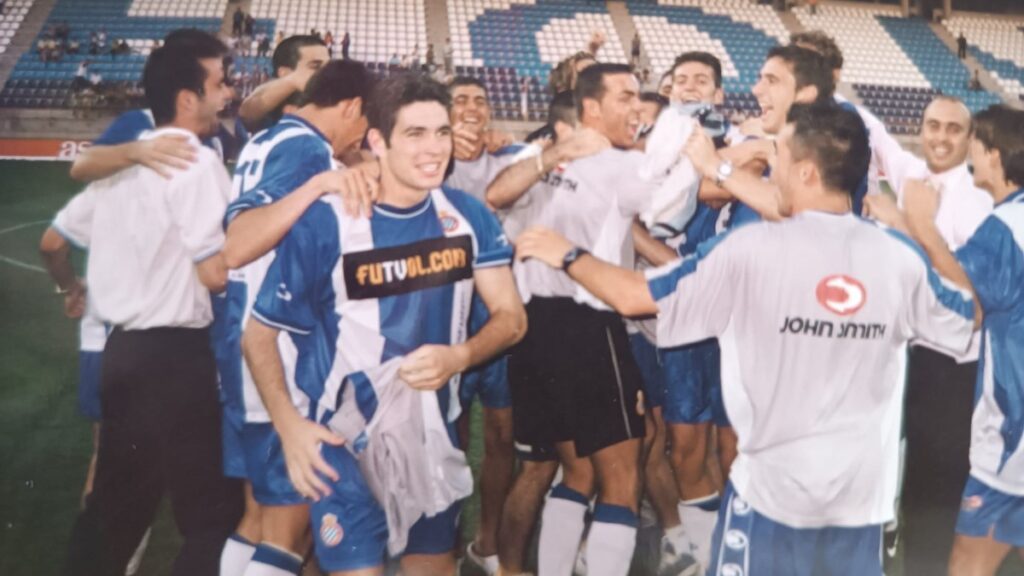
[961, 46]
[3, 6]
[263, 46]
[346, 42]
[237, 20]
[74, 47]
[316, 34]
[329, 41]
[394, 60]
[249, 27]
[81, 80]
[414, 58]
[449, 56]
[524, 97]
[975, 83]
[813, 7]
[634, 52]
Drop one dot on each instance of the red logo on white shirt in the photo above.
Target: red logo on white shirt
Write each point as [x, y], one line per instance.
[841, 294]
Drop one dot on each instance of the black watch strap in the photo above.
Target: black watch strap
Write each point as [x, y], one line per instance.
[572, 256]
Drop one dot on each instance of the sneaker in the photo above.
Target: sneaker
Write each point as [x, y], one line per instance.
[136, 560]
[676, 563]
[488, 564]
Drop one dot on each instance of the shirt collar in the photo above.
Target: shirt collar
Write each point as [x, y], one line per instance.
[300, 120]
[1013, 197]
[950, 178]
[169, 131]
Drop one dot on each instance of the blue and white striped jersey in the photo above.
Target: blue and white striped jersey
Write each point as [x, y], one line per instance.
[814, 386]
[994, 260]
[353, 293]
[273, 164]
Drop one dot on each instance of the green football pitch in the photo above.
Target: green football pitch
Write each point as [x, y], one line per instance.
[44, 443]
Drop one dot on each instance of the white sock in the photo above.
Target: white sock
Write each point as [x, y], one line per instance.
[271, 561]
[611, 541]
[236, 555]
[677, 538]
[560, 531]
[699, 517]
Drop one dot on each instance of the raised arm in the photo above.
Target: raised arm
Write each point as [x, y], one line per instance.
[271, 95]
[161, 154]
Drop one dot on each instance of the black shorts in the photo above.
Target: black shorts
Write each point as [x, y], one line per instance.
[573, 378]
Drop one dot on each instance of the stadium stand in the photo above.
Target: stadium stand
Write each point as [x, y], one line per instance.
[738, 33]
[896, 65]
[11, 19]
[378, 28]
[35, 83]
[997, 44]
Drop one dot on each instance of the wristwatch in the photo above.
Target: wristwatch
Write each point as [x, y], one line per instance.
[572, 256]
[723, 172]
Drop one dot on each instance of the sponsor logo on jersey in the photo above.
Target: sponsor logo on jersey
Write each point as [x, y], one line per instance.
[841, 294]
[828, 329]
[555, 179]
[402, 269]
[331, 532]
[449, 223]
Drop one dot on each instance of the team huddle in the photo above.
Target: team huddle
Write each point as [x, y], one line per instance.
[729, 323]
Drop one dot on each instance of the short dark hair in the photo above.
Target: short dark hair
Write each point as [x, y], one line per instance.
[655, 98]
[1000, 127]
[173, 68]
[289, 51]
[821, 43]
[397, 92]
[466, 81]
[562, 109]
[809, 69]
[706, 58]
[338, 80]
[189, 35]
[835, 139]
[590, 82]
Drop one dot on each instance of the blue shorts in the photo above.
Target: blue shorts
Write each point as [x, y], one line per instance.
[490, 381]
[350, 529]
[233, 452]
[265, 466]
[692, 373]
[90, 369]
[985, 511]
[750, 544]
[652, 371]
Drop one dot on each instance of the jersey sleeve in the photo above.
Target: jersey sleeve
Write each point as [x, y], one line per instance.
[286, 300]
[125, 128]
[74, 221]
[196, 204]
[288, 167]
[493, 247]
[993, 261]
[694, 295]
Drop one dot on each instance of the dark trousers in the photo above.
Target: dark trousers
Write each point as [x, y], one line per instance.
[939, 406]
[160, 433]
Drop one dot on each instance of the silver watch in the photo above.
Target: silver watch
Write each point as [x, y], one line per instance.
[724, 171]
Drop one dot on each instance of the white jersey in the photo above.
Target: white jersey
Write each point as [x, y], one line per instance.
[593, 204]
[473, 177]
[813, 315]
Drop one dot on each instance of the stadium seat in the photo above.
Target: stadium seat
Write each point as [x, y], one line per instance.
[997, 43]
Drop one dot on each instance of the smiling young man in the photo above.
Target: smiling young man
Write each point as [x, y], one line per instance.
[155, 256]
[343, 290]
[295, 60]
[991, 265]
[819, 306]
[940, 389]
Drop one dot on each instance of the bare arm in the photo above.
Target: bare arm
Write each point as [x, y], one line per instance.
[213, 273]
[430, 367]
[269, 96]
[160, 154]
[624, 290]
[55, 251]
[652, 249]
[751, 189]
[300, 438]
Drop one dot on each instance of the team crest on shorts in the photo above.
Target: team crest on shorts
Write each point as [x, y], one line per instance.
[449, 223]
[972, 503]
[331, 531]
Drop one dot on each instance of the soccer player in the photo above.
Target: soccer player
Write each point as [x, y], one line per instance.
[819, 306]
[295, 60]
[280, 174]
[333, 288]
[991, 265]
[479, 153]
[940, 392]
[154, 255]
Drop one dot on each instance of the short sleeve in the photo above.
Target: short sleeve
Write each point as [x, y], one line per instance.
[196, 202]
[125, 128]
[493, 247]
[290, 165]
[74, 221]
[993, 261]
[694, 295]
[286, 300]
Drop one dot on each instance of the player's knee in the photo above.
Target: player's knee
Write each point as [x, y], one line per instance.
[498, 436]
